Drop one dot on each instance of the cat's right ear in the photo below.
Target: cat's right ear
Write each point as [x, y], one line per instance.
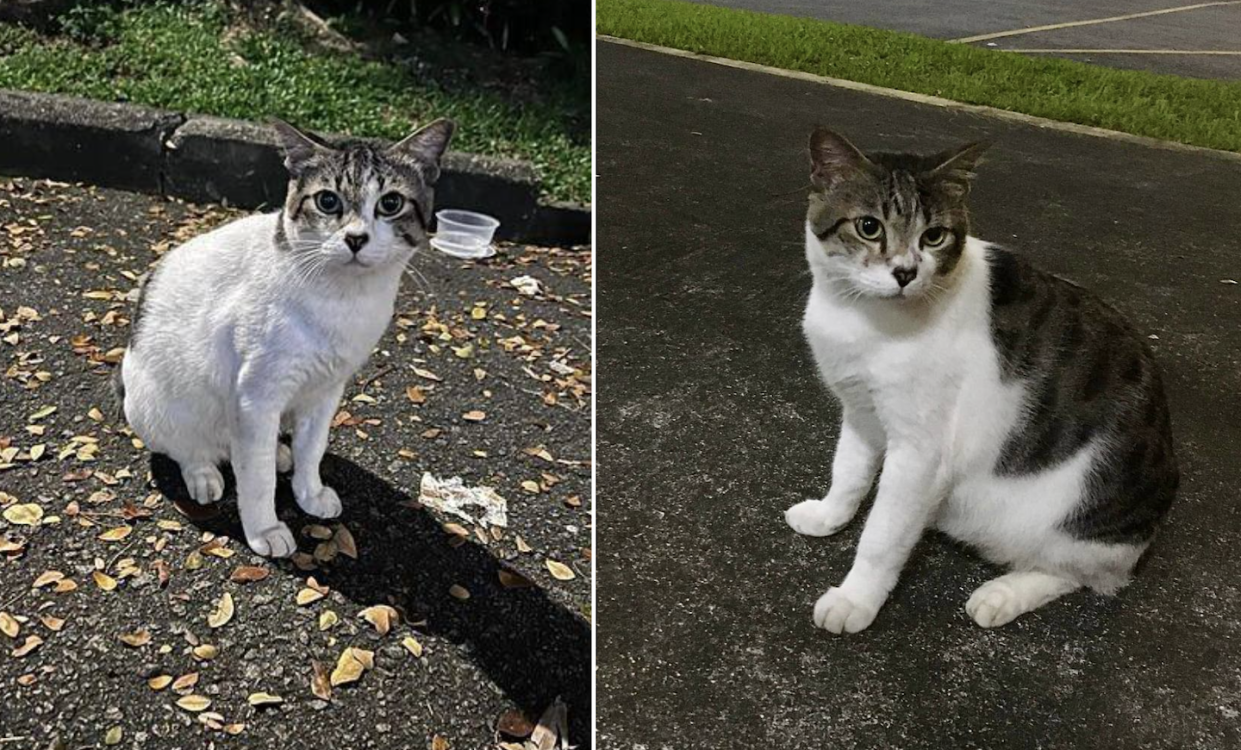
[299, 149]
[832, 158]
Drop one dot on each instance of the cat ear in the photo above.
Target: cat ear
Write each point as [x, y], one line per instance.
[832, 157]
[298, 147]
[956, 167]
[427, 145]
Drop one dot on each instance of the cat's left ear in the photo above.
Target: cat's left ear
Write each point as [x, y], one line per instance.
[956, 167]
[427, 146]
[299, 148]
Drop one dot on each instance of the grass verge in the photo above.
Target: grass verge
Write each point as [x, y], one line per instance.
[1196, 112]
[198, 57]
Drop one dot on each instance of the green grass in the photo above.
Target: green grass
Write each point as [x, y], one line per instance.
[1197, 112]
[194, 57]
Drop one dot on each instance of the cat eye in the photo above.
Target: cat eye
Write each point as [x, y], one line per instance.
[390, 204]
[934, 237]
[868, 228]
[327, 202]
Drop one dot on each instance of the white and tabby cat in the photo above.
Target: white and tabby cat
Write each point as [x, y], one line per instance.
[1009, 408]
[254, 328]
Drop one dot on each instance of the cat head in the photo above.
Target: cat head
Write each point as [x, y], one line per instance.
[887, 225]
[361, 206]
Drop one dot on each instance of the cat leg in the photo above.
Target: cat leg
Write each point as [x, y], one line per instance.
[284, 458]
[853, 472]
[1001, 600]
[910, 488]
[253, 453]
[310, 438]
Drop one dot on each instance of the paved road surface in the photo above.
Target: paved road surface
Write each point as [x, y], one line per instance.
[66, 255]
[1210, 28]
[712, 422]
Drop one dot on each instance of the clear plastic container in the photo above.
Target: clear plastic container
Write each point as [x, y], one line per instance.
[464, 234]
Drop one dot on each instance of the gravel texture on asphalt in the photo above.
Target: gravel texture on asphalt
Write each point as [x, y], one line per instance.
[464, 340]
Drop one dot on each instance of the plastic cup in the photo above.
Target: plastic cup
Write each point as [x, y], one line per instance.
[464, 234]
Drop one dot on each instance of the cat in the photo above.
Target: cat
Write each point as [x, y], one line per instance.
[256, 327]
[1009, 408]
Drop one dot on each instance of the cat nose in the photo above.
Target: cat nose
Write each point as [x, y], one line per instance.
[356, 241]
[904, 275]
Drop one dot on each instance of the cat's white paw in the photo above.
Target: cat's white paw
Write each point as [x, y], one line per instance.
[276, 541]
[205, 483]
[838, 613]
[325, 504]
[818, 517]
[994, 604]
[284, 458]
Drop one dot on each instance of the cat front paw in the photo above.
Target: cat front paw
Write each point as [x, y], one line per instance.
[205, 483]
[837, 612]
[276, 541]
[818, 517]
[322, 504]
[994, 604]
[284, 459]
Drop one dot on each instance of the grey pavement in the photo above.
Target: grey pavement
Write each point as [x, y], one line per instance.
[711, 422]
[464, 339]
[1210, 28]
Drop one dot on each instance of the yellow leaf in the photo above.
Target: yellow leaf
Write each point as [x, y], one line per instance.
[307, 596]
[8, 625]
[560, 571]
[234, 729]
[103, 580]
[223, 612]
[427, 374]
[53, 624]
[206, 652]
[474, 416]
[32, 642]
[412, 645]
[159, 683]
[327, 618]
[416, 394]
[522, 546]
[116, 535]
[113, 737]
[530, 486]
[381, 616]
[28, 514]
[194, 703]
[264, 699]
[65, 585]
[136, 639]
[349, 668]
[185, 682]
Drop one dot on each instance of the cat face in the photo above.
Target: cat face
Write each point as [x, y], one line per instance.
[360, 208]
[887, 225]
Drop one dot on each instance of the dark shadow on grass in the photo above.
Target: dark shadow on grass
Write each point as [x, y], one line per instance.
[533, 648]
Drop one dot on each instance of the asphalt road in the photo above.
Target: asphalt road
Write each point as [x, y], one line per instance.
[1210, 28]
[68, 255]
[711, 422]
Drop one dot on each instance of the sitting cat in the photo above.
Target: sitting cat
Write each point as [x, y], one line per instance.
[255, 328]
[1011, 409]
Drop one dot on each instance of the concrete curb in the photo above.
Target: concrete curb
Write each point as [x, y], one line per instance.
[211, 159]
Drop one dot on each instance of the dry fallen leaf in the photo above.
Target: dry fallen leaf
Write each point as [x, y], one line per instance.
[522, 547]
[511, 579]
[8, 625]
[160, 682]
[249, 574]
[514, 723]
[114, 736]
[318, 531]
[307, 596]
[32, 642]
[345, 543]
[103, 580]
[185, 682]
[116, 535]
[194, 703]
[459, 592]
[412, 645]
[474, 416]
[381, 616]
[136, 639]
[223, 612]
[48, 578]
[28, 514]
[206, 652]
[439, 742]
[320, 683]
[351, 664]
[560, 571]
[553, 727]
[327, 618]
[264, 699]
[53, 624]
[416, 394]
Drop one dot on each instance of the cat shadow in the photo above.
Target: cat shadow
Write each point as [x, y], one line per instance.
[533, 648]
